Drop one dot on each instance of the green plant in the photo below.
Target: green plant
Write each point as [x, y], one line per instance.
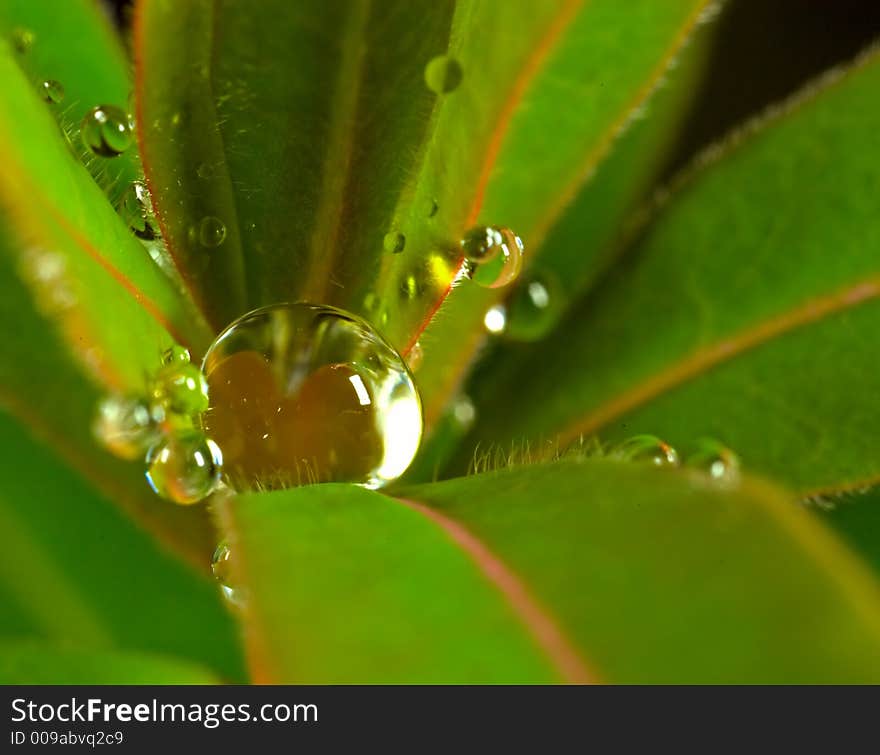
[293, 152]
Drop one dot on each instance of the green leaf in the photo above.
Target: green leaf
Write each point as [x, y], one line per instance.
[80, 573]
[345, 585]
[44, 390]
[661, 576]
[74, 44]
[296, 125]
[856, 517]
[540, 121]
[745, 311]
[111, 301]
[24, 662]
[621, 573]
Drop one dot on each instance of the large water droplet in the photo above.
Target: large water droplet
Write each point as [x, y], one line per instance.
[136, 209]
[394, 242]
[52, 91]
[212, 232]
[221, 568]
[106, 131]
[303, 393]
[181, 388]
[125, 426]
[716, 460]
[184, 467]
[534, 308]
[647, 448]
[443, 74]
[493, 255]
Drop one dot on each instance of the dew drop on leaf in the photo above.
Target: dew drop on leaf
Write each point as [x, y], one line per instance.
[136, 209]
[212, 232]
[534, 308]
[394, 242]
[51, 91]
[716, 460]
[125, 426]
[647, 448]
[433, 208]
[106, 131]
[22, 40]
[181, 388]
[494, 255]
[302, 393]
[175, 355]
[495, 319]
[221, 568]
[184, 467]
[443, 74]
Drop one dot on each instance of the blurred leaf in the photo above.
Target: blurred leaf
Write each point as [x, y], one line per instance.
[745, 311]
[345, 585]
[665, 577]
[80, 573]
[88, 271]
[42, 388]
[24, 662]
[74, 44]
[654, 576]
[541, 115]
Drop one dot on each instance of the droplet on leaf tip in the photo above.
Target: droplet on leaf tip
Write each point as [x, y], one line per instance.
[443, 74]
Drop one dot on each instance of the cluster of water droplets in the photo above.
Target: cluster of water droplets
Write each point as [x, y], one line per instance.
[711, 457]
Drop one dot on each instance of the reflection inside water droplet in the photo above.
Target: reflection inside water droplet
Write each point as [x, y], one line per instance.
[647, 448]
[302, 393]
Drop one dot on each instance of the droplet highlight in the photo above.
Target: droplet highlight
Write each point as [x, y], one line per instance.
[302, 393]
[495, 320]
[106, 131]
[52, 91]
[647, 448]
[184, 467]
[493, 255]
[125, 426]
[443, 74]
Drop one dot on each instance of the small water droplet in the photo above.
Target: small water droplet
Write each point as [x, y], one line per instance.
[534, 308]
[493, 255]
[22, 40]
[394, 242]
[443, 74]
[495, 320]
[221, 568]
[302, 393]
[52, 91]
[175, 354]
[136, 209]
[415, 356]
[716, 460]
[433, 208]
[212, 232]
[464, 412]
[125, 426]
[205, 171]
[106, 131]
[181, 387]
[647, 448]
[184, 467]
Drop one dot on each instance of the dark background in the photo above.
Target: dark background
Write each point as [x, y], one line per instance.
[764, 51]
